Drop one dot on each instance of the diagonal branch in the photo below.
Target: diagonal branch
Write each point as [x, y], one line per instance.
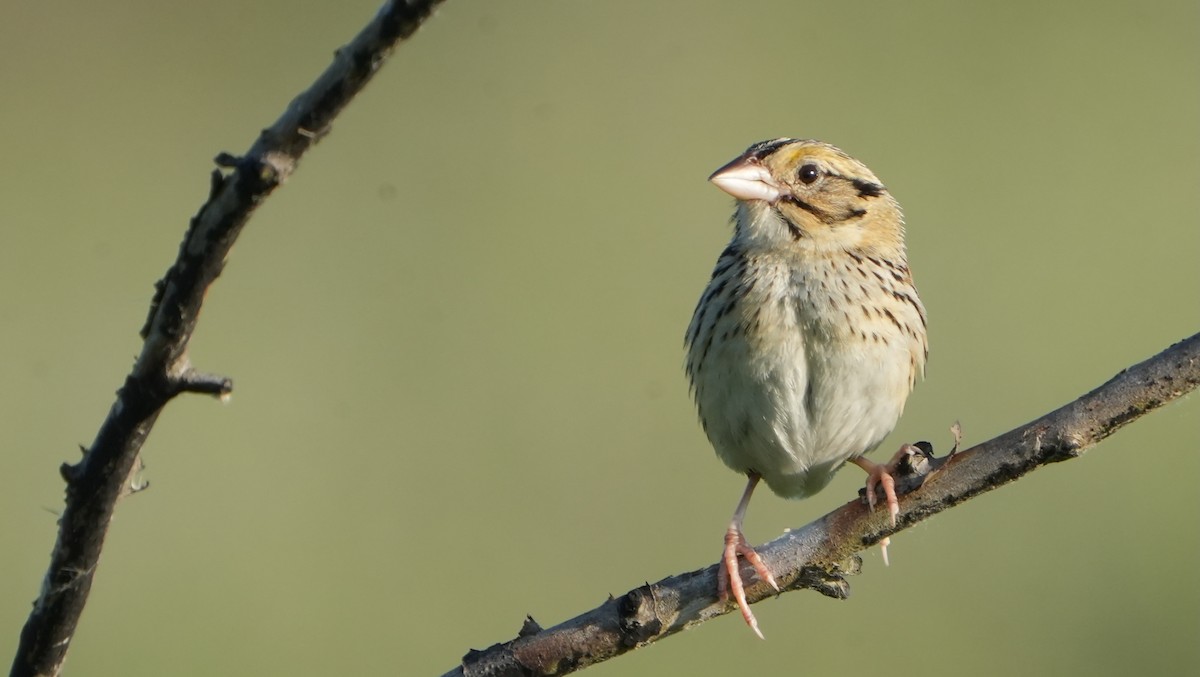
[821, 554]
[163, 370]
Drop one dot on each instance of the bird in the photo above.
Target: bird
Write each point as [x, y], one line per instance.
[809, 336]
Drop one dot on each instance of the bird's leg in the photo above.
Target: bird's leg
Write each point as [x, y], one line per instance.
[729, 576]
[881, 475]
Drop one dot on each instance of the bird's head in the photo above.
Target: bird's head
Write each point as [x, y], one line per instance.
[801, 189]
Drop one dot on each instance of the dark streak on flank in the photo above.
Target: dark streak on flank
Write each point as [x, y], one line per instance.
[728, 258]
[723, 266]
[697, 323]
[810, 401]
[704, 353]
[901, 296]
[893, 319]
[891, 265]
[726, 262]
[715, 290]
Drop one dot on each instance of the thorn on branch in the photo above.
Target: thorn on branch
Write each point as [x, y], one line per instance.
[227, 160]
[69, 472]
[194, 381]
[529, 627]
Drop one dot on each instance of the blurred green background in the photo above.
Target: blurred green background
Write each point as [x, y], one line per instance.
[456, 333]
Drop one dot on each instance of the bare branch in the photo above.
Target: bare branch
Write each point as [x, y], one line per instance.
[821, 554]
[193, 381]
[109, 467]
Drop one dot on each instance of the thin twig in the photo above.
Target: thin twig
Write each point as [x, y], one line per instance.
[821, 554]
[109, 466]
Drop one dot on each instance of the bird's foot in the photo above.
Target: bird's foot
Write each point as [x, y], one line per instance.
[729, 576]
[881, 475]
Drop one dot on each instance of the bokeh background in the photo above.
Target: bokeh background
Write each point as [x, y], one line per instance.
[456, 333]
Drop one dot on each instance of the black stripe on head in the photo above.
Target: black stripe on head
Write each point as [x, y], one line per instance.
[811, 209]
[824, 216]
[867, 189]
[762, 149]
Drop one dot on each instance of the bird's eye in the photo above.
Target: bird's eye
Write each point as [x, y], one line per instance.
[808, 173]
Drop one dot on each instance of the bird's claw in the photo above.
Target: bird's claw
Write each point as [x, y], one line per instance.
[729, 576]
[881, 475]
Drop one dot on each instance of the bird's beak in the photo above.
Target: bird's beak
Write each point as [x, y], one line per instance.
[746, 179]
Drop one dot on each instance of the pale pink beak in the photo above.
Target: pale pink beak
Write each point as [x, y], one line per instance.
[746, 180]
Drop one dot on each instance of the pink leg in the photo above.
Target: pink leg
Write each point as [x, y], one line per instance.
[881, 475]
[729, 577]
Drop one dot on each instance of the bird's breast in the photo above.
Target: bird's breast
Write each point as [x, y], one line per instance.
[797, 368]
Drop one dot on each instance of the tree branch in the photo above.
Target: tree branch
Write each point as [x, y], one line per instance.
[106, 472]
[821, 554]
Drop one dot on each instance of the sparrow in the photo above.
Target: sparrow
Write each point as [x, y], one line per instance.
[810, 335]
